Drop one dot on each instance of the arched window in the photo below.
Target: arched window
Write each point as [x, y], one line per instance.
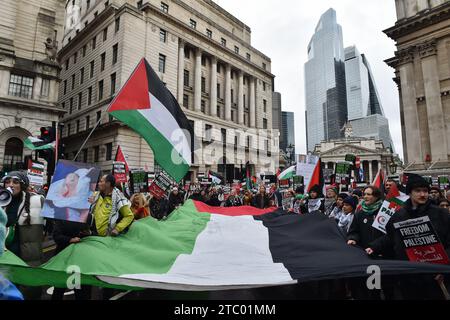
[13, 154]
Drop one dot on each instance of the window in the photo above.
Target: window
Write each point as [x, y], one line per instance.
[265, 105]
[65, 87]
[96, 153]
[232, 115]
[83, 51]
[264, 66]
[208, 132]
[223, 42]
[69, 129]
[117, 25]
[86, 23]
[187, 53]
[95, 14]
[108, 151]
[80, 99]
[92, 68]
[73, 81]
[185, 101]
[100, 90]
[139, 4]
[115, 52]
[209, 33]
[88, 4]
[232, 95]
[75, 56]
[67, 64]
[63, 105]
[162, 35]
[218, 68]
[186, 78]
[248, 56]
[105, 34]
[244, 100]
[99, 115]
[219, 111]
[236, 49]
[193, 24]
[264, 86]
[203, 84]
[102, 61]
[232, 75]
[218, 90]
[203, 106]
[264, 123]
[81, 75]
[45, 87]
[88, 120]
[204, 61]
[244, 81]
[89, 96]
[113, 83]
[162, 63]
[70, 105]
[78, 126]
[94, 42]
[164, 7]
[106, 3]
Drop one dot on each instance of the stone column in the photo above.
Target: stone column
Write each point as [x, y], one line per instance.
[36, 92]
[370, 172]
[410, 115]
[228, 92]
[198, 80]
[241, 98]
[180, 72]
[435, 112]
[252, 103]
[400, 8]
[213, 103]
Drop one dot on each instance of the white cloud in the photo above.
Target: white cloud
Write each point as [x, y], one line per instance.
[283, 29]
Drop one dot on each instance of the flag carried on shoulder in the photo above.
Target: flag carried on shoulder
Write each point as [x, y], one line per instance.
[146, 106]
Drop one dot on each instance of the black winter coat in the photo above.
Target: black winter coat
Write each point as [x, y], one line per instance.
[392, 240]
[63, 231]
[361, 229]
[261, 201]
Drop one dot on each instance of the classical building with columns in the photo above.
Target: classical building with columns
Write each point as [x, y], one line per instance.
[201, 52]
[30, 32]
[372, 153]
[422, 73]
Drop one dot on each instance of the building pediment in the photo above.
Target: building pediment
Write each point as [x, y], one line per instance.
[349, 149]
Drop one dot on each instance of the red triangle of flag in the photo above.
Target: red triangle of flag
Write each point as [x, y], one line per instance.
[121, 158]
[134, 94]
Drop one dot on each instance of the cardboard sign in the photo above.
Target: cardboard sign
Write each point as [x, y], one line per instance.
[343, 172]
[161, 185]
[138, 181]
[284, 184]
[350, 158]
[421, 241]
[36, 174]
[443, 182]
[119, 172]
[286, 202]
[387, 210]
[327, 175]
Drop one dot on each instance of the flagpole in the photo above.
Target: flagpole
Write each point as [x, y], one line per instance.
[90, 134]
[56, 143]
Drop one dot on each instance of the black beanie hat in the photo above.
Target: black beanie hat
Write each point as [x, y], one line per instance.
[342, 195]
[316, 189]
[416, 181]
[351, 200]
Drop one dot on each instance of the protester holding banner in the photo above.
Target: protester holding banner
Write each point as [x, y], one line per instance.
[261, 200]
[337, 211]
[330, 199]
[233, 200]
[175, 199]
[445, 204]
[247, 200]
[349, 205]
[361, 232]
[420, 231]
[110, 209]
[388, 184]
[315, 201]
[139, 206]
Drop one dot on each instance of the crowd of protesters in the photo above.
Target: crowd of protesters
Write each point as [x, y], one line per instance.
[112, 212]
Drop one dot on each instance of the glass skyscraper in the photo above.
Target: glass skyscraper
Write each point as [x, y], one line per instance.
[325, 89]
[287, 136]
[365, 112]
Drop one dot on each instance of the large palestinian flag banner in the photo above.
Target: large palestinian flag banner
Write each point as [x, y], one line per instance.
[200, 248]
[145, 105]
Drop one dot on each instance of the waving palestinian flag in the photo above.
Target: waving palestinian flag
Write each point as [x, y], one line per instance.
[34, 143]
[288, 173]
[145, 105]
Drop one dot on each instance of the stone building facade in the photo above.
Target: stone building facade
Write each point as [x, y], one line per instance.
[422, 73]
[203, 55]
[372, 153]
[30, 32]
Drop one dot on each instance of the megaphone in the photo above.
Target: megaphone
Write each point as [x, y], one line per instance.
[5, 196]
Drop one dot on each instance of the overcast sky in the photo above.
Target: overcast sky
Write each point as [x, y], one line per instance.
[282, 29]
